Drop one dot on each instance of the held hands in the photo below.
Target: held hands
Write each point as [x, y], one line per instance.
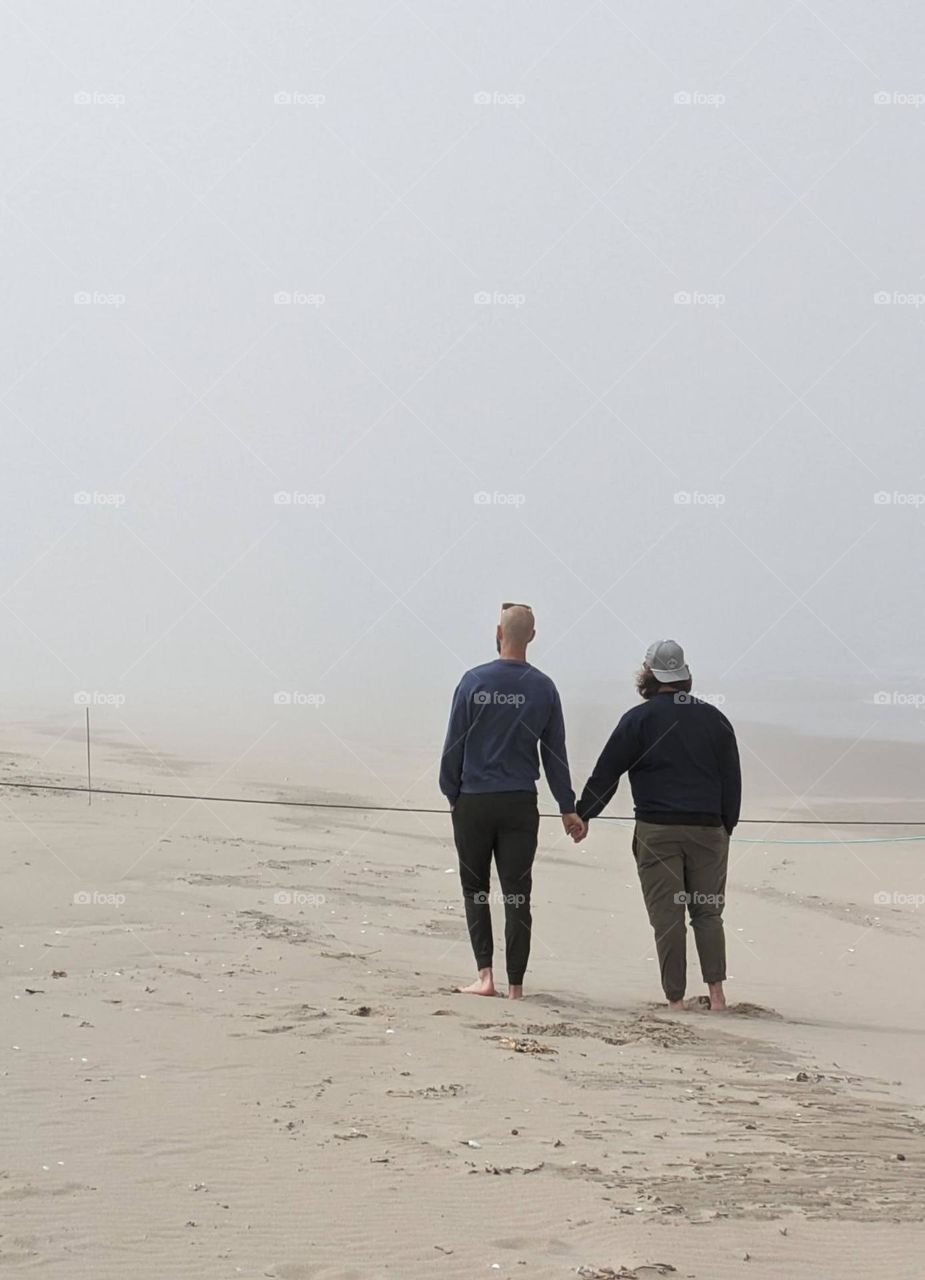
[574, 826]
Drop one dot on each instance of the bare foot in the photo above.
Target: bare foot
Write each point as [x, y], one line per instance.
[483, 986]
[717, 997]
[677, 1006]
[515, 991]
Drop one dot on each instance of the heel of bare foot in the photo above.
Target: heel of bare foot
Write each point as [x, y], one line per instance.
[484, 985]
[677, 1006]
[515, 991]
[717, 997]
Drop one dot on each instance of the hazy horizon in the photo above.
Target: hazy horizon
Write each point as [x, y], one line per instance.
[330, 327]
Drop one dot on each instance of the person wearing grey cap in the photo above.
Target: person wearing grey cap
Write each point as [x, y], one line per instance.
[683, 765]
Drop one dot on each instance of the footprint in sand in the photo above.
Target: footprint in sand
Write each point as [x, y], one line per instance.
[743, 1009]
[312, 1271]
[746, 1010]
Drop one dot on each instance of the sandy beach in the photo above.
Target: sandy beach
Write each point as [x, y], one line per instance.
[233, 1048]
[397, 398]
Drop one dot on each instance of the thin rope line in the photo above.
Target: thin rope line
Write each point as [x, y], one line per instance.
[388, 808]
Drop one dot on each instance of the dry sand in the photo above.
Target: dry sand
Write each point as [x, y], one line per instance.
[252, 1062]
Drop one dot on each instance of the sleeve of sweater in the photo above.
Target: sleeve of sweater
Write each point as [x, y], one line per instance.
[454, 746]
[731, 774]
[620, 750]
[555, 759]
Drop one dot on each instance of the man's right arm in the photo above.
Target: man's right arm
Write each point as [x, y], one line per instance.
[454, 746]
[620, 750]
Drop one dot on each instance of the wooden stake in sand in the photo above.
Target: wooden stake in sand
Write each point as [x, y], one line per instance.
[89, 787]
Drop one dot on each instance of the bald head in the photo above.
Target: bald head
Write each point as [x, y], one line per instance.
[516, 629]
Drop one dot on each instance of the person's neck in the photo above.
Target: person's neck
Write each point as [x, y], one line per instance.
[509, 654]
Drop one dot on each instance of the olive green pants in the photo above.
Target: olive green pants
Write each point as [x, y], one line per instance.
[683, 870]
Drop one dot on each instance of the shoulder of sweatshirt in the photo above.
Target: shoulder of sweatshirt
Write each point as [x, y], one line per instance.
[475, 674]
[716, 717]
[540, 677]
[726, 723]
[641, 711]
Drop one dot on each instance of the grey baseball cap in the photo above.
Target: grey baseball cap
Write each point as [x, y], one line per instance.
[665, 659]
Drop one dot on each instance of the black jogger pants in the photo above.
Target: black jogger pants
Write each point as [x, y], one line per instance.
[504, 824]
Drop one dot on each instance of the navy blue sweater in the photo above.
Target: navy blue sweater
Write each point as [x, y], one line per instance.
[682, 760]
[501, 711]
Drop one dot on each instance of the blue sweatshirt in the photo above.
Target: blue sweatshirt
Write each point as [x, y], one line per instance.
[500, 712]
[682, 760]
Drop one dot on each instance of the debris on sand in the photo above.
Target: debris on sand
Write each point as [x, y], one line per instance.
[59, 973]
[513, 1168]
[525, 1045]
[428, 1091]
[559, 1029]
[642, 1272]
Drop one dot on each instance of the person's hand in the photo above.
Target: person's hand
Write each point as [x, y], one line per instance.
[574, 826]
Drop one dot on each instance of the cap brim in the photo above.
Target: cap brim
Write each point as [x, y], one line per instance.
[671, 677]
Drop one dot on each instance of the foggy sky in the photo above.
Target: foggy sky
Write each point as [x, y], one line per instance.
[579, 437]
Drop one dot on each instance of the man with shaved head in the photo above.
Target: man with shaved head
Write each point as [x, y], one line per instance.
[505, 714]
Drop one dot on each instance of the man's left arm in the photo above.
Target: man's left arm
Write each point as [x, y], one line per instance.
[555, 759]
[731, 775]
